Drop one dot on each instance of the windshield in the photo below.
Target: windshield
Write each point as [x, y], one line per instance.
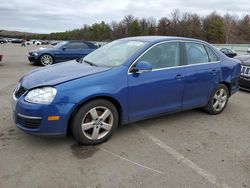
[60, 44]
[115, 53]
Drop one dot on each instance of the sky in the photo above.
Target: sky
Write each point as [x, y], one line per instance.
[45, 16]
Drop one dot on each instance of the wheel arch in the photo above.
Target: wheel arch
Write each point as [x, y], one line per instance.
[105, 97]
[228, 85]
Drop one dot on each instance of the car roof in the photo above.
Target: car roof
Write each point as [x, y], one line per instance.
[74, 41]
[160, 38]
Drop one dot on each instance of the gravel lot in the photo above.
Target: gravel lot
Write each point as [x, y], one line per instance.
[188, 149]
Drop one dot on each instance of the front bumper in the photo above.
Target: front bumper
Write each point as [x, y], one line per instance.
[33, 59]
[245, 83]
[33, 118]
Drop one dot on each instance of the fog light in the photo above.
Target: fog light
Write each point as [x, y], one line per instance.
[53, 118]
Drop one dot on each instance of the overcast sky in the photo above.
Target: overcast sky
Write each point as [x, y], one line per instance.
[45, 16]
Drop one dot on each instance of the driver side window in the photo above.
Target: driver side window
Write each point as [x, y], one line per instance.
[163, 55]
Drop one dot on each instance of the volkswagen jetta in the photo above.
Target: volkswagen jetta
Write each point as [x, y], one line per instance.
[124, 81]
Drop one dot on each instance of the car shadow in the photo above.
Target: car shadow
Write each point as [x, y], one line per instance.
[53, 141]
[244, 90]
[2, 64]
[35, 65]
[122, 133]
[177, 116]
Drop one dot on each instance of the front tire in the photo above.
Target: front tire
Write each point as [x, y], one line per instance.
[95, 122]
[46, 59]
[218, 101]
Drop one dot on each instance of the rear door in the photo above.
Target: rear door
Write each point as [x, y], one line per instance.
[202, 74]
[160, 90]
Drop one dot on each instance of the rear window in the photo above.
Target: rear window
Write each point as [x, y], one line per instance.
[212, 56]
[199, 53]
[196, 53]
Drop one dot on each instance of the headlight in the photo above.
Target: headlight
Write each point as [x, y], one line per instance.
[35, 54]
[44, 95]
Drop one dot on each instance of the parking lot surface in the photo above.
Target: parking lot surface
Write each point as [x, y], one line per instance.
[187, 149]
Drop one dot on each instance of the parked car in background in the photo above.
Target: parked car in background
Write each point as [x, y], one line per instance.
[1, 57]
[245, 72]
[37, 42]
[248, 51]
[63, 51]
[2, 41]
[124, 81]
[54, 42]
[17, 41]
[28, 42]
[44, 42]
[228, 52]
[9, 39]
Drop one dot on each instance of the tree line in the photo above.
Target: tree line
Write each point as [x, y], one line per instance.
[213, 28]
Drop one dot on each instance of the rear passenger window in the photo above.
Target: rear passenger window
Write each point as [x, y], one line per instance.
[196, 53]
[211, 54]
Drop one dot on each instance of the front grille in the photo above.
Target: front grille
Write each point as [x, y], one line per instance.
[20, 91]
[245, 70]
[28, 122]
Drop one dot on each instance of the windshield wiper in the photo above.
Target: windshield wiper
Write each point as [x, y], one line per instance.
[90, 63]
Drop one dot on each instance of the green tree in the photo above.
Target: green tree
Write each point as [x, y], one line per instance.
[100, 31]
[134, 28]
[118, 30]
[163, 26]
[213, 28]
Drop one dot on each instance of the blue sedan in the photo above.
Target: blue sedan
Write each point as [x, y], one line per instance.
[124, 81]
[63, 51]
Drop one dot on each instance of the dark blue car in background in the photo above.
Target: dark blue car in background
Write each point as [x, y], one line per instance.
[63, 51]
[124, 81]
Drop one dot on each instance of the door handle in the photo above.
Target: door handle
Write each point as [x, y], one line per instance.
[214, 72]
[179, 77]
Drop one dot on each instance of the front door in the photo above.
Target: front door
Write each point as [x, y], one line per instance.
[160, 90]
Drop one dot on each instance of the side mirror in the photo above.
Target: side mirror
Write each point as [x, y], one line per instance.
[141, 67]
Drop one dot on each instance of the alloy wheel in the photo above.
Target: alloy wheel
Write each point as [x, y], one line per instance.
[46, 60]
[220, 99]
[97, 123]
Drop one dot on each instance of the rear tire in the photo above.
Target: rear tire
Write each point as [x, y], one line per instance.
[218, 101]
[95, 122]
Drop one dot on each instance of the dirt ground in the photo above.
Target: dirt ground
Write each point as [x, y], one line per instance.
[188, 149]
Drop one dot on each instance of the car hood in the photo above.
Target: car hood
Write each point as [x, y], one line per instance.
[58, 73]
[245, 59]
